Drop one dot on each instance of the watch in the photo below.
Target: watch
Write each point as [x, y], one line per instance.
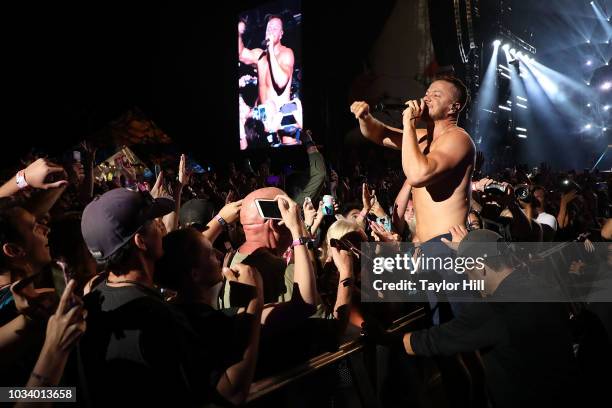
[221, 221]
[20, 179]
[303, 241]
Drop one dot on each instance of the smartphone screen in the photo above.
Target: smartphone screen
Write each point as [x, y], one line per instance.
[268, 209]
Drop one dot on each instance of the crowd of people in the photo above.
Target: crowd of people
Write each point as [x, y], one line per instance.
[186, 294]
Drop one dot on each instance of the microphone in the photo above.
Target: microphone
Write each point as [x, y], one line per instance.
[389, 107]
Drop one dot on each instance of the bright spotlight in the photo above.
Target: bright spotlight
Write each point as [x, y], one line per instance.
[588, 126]
[506, 47]
[588, 41]
[521, 105]
[588, 105]
[588, 83]
[606, 86]
[522, 136]
[606, 108]
[605, 129]
[519, 54]
[504, 108]
[496, 43]
[589, 63]
[521, 129]
[512, 51]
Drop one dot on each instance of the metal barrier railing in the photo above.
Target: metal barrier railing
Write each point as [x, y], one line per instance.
[275, 382]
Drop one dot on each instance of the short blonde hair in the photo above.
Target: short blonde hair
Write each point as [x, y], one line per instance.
[336, 231]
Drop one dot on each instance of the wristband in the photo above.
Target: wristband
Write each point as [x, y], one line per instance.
[221, 221]
[302, 241]
[20, 179]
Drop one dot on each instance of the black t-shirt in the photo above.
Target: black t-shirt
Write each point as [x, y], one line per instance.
[525, 347]
[139, 349]
[224, 332]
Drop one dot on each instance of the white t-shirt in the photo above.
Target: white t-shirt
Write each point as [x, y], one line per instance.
[545, 218]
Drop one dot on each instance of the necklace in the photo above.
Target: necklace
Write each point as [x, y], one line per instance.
[135, 283]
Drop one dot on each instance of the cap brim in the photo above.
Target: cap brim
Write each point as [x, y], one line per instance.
[161, 206]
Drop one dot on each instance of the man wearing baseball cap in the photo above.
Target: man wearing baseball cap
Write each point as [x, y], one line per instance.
[138, 349]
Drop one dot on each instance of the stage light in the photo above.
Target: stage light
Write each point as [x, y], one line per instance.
[522, 136]
[606, 108]
[496, 43]
[588, 41]
[589, 63]
[588, 83]
[521, 129]
[512, 51]
[606, 86]
[506, 47]
[505, 75]
[588, 126]
[519, 54]
[505, 108]
[504, 67]
[592, 3]
[588, 105]
[605, 129]
[521, 98]
[521, 105]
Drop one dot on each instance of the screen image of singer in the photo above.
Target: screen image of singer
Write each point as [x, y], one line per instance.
[270, 75]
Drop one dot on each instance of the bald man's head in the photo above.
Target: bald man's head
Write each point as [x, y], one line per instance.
[248, 213]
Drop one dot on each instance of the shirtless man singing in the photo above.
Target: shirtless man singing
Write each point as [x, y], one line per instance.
[438, 161]
[274, 69]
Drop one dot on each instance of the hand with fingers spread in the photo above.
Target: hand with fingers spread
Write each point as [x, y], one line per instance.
[382, 235]
[37, 172]
[458, 232]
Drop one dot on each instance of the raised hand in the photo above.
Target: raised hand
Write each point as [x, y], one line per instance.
[360, 109]
[36, 173]
[290, 213]
[183, 175]
[231, 211]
